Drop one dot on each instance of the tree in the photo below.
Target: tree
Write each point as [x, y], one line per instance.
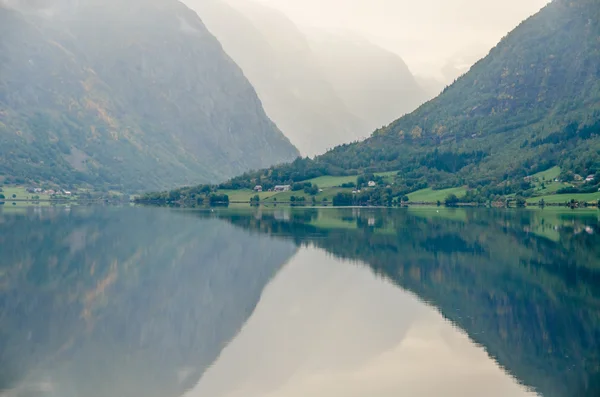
[405, 199]
[174, 195]
[2, 197]
[451, 200]
[542, 203]
[521, 202]
[342, 199]
[14, 196]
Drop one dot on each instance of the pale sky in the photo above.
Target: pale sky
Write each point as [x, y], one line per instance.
[426, 33]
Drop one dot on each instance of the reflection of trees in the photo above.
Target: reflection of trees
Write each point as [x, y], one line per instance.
[533, 303]
[110, 302]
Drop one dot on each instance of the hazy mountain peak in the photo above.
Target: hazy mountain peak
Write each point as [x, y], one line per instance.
[151, 102]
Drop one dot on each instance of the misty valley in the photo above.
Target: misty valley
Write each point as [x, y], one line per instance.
[284, 198]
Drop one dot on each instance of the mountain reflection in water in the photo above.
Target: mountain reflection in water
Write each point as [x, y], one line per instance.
[296, 302]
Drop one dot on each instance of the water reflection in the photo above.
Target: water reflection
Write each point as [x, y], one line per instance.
[425, 302]
[113, 302]
[525, 285]
[326, 327]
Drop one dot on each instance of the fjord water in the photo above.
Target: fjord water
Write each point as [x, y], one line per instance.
[298, 302]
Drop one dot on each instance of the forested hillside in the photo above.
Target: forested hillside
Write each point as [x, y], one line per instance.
[132, 95]
[533, 103]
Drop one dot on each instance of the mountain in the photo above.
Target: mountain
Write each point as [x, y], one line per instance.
[131, 95]
[277, 59]
[374, 83]
[531, 104]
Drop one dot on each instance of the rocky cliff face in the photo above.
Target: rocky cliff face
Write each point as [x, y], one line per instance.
[136, 95]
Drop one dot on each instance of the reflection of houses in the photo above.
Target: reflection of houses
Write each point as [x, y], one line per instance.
[258, 188]
[282, 188]
[282, 215]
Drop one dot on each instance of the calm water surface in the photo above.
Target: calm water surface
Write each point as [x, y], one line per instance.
[109, 302]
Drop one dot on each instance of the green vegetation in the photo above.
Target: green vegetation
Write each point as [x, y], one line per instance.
[564, 198]
[432, 196]
[522, 117]
[333, 181]
[83, 114]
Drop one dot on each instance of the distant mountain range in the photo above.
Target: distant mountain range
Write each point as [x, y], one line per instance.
[374, 83]
[321, 90]
[531, 104]
[133, 95]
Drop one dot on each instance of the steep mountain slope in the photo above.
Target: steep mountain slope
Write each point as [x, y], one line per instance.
[135, 95]
[532, 103]
[279, 62]
[375, 84]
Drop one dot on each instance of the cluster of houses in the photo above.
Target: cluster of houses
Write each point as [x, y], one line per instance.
[49, 192]
[588, 179]
[278, 188]
[579, 178]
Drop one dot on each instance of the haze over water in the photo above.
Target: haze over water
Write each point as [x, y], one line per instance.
[298, 302]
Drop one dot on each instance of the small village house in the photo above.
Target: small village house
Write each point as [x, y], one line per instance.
[258, 188]
[590, 178]
[282, 188]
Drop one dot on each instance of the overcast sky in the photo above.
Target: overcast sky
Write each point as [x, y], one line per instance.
[426, 33]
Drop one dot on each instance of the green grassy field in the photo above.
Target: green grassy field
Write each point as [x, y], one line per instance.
[546, 178]
[332, 181]
[562, 198]
[327, 193]
[548, 175]
[337, 181]
[21, 193]
[245, 194]
[431, 196]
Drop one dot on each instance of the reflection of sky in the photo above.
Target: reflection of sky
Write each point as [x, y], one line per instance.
[330, 328]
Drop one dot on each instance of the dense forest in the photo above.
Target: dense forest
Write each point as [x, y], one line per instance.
[533, 103]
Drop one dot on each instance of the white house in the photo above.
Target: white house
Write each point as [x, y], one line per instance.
[372, 184]
[282, 188]
[590, 178]
[258, 188]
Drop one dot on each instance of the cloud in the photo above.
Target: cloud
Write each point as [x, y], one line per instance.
[428, 34]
